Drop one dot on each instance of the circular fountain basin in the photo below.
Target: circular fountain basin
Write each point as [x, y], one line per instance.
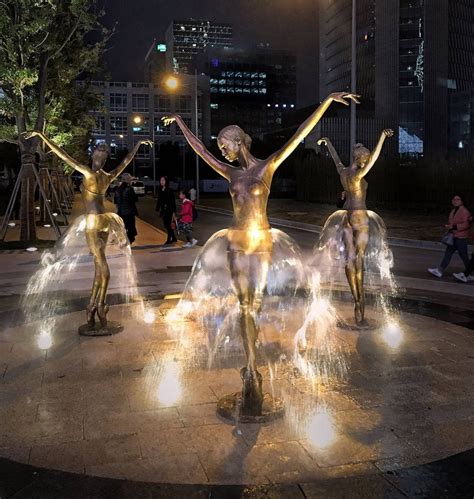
[134, 406]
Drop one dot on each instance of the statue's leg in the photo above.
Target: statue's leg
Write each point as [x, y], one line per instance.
[249, 274]
[348, 237]
[97, 241]
[361, 242]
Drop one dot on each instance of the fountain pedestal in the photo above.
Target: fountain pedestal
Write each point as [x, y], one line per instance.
[230, 407]
[111, 328]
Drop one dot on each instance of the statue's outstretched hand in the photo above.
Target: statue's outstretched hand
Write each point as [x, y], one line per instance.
[343, 97]
[31, 134]
[388, 132]
[323, 141]
[167, 120]
[147, 143]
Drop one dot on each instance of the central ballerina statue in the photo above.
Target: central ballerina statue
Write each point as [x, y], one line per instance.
[249, 239]
[98, 220]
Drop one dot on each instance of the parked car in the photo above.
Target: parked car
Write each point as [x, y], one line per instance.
[138, 187]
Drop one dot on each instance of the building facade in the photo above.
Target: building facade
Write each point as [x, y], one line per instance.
[249, 88]
[415, 68]
[184, 39]
[133, 111]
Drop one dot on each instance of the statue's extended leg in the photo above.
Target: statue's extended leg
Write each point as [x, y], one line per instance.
[351, 268]
[249, 273]
[362, 239]
[97, 241]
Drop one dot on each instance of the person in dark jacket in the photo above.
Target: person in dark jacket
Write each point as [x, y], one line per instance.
[166, 207]
[125, 199]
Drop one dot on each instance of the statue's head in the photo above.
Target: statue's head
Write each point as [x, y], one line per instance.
[231, 140]
[99, 156]
[361, 155]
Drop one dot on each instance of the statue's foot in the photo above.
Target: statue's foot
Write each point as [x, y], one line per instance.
[91, 310]
[359, 316]
[102, 310]
[252, 394]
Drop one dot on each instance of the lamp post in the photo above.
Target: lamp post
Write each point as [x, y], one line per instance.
[353, 124]
[137, 120]
[173, 83]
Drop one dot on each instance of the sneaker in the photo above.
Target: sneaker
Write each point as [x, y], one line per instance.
[187, 245]
[194, 242]
[436, 272]
[460, 276]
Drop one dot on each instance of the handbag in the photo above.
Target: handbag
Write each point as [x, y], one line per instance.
[448, 239]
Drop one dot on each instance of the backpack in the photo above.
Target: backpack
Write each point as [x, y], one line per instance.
[195, 213]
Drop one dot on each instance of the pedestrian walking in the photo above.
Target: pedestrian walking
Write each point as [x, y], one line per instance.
[126, 199]
[466, 275]
[166, 207]
[185, 220]
[456, 238]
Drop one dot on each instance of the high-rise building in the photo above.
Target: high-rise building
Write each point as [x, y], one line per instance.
[185, 39]
[132, 111]
[415, 68]
[249, 88]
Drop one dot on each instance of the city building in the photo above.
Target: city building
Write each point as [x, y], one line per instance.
[184, 39]
[249, 88]
[132, 111]
[415, 69]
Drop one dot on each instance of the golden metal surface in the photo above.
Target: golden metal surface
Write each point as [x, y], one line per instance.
[94, 187]
[249, 238]
[356, 223]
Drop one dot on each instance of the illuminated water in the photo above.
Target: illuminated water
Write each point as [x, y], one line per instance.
[45, 295]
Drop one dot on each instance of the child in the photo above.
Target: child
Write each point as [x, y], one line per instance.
[185, 221]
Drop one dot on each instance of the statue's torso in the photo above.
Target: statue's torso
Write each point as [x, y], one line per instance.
[249, 190]
[93, 189]
[355, 188]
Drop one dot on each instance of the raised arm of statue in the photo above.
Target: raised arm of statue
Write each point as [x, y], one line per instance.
[374, 156]
[61, 153]
[337, 160]
[198, 147]
[126, 161]
[278, 157]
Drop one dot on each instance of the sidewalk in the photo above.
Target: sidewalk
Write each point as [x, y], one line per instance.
[400, 224]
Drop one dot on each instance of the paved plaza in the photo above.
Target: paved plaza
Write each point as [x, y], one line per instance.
[137, 406]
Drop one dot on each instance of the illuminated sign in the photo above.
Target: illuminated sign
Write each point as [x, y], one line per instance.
[161, 47]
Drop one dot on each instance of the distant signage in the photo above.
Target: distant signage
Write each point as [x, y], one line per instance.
[161, 47]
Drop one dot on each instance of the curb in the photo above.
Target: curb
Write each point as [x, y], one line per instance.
[316, 229]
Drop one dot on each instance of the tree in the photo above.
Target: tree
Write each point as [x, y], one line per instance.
[44, 46]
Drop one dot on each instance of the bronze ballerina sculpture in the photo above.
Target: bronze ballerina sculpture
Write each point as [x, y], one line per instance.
[356, 219]
[98, 222]
[249, 239]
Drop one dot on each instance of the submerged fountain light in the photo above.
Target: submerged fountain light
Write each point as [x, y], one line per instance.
[44, 340]
[11, 224]
[392, 335]
[55, 214]
[32, 249]
[149, 316]
[320, 430]
[47, 225]
[169, 389]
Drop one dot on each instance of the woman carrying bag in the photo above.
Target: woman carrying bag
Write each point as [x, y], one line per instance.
[456, 238]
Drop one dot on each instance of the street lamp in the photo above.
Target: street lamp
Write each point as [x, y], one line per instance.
[353, 124]
[137, 120]
[172, 83]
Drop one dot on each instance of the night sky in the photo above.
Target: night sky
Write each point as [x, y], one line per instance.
[288, 24]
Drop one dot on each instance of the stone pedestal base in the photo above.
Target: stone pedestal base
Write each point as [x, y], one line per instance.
[97, 330]
[230, 407]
